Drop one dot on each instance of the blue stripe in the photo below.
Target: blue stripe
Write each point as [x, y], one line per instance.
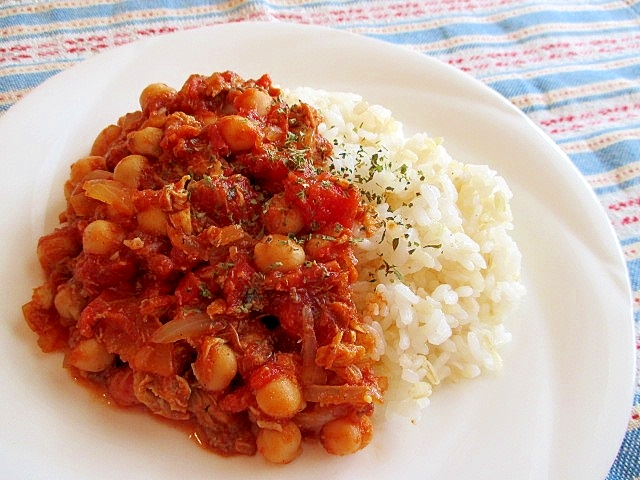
[21, 81]
[104, 15]
[605, 159]
[634, 269]
[630, 240]
[623, 92]
[611, 189]
[466, 27]
[511, 24]
[554, 81]
[525, 71]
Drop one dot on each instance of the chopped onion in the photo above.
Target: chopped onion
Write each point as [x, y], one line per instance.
[337, 394]
[111, 192]
[313, 419]
[311, 373]
[193, 324]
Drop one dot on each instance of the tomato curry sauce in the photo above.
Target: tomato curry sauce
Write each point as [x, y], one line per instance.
[202, 270]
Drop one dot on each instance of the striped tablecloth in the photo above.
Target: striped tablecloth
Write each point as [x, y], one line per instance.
[573, 66]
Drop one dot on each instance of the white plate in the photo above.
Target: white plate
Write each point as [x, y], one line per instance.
[558, 410]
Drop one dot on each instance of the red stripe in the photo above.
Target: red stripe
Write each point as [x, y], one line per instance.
[548, 53]
[632, 202]
[571, 122]
[630, 220]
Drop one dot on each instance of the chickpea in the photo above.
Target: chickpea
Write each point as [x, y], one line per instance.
[282, 218]
[89, 355]
[155, 94]
[280, 398]
[80, 169]
[104, 139]
[280, 446]
[239, 132]
[69, 302]
[216, 365]
[344, 436]
[254, 99]
[130, 170]
[102, 237]
[278, 252]
[145, 141]
[153, 221]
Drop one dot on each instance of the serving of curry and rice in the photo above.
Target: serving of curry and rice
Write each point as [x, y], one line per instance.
[268, 267]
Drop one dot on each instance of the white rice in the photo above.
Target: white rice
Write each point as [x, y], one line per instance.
[442, 273]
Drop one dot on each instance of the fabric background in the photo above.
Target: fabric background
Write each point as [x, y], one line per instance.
[572, 66]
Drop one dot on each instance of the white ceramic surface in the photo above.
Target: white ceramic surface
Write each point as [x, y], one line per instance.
[557, 411]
